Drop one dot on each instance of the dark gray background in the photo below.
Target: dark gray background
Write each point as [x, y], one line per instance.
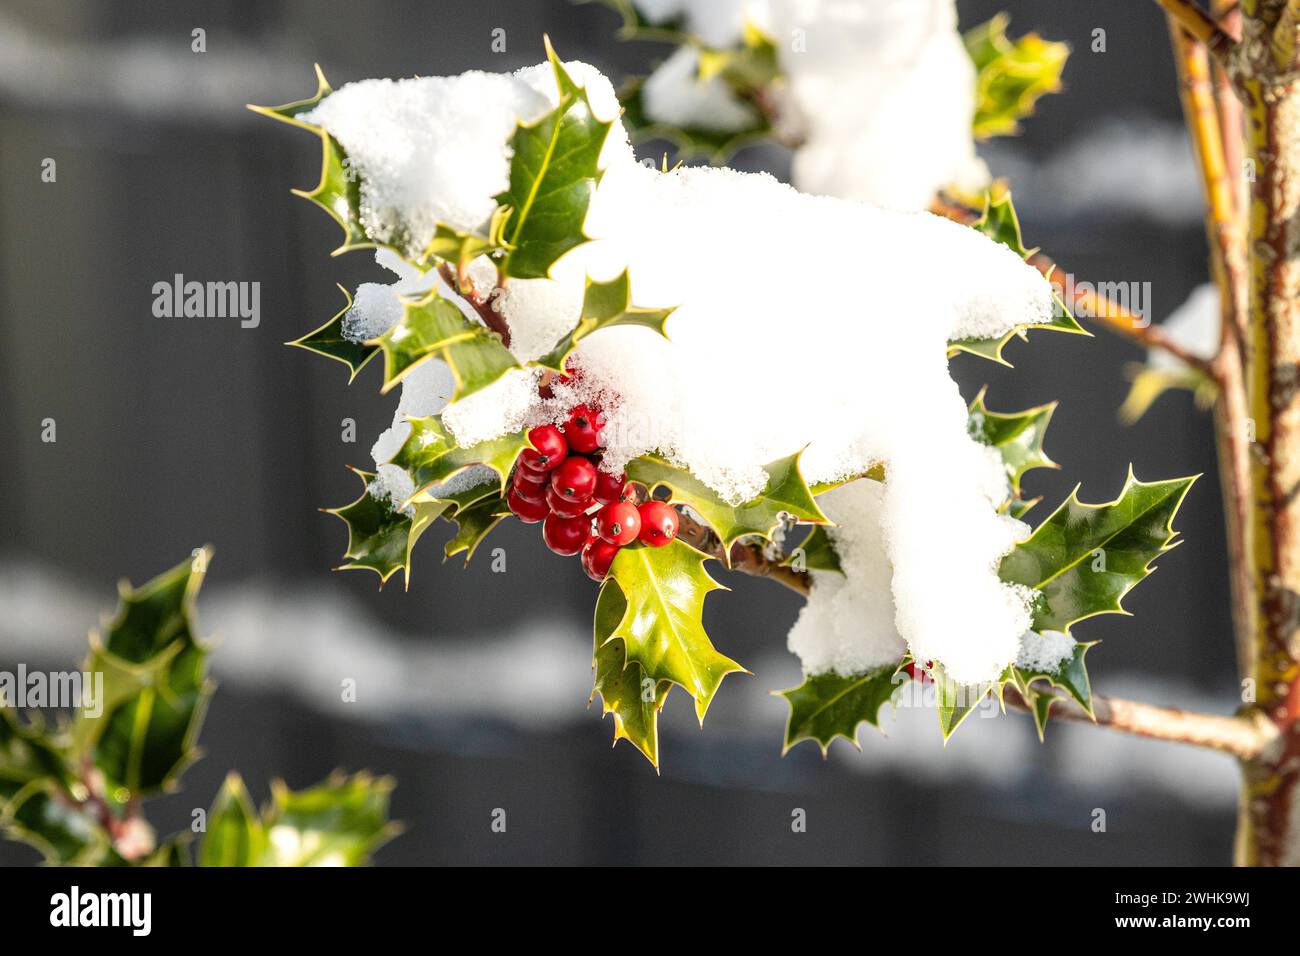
[173, 433]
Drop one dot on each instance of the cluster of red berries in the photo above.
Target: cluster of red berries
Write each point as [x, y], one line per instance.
[583, 510]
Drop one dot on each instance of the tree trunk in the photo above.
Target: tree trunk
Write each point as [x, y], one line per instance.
[1266, 70]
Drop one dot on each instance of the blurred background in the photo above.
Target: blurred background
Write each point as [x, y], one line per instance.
[472, 686]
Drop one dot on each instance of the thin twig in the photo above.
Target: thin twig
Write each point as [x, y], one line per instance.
[485, 307]
[1243, 737]
[1203, 108]
[748, 558]
[1200, 25]
[1087, 303]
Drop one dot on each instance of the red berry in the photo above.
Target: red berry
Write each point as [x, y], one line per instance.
[658, 524]
[564, 508]
[597, 556]
[529, 512]
[582, 430]
[611, 488]
[549, 449]
[566, 535]
[575, 479]
[529, 485]
[619, 523]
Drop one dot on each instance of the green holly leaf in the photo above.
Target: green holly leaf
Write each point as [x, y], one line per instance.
[155, 686]
[473, 524]
[1071, 676]
[434, 327]
[786, 493]
[956, 701]
[340, 822]
[29, 752]
[1084, 558]
[379, 538]
[748, 68]
[714, 146]
[662, 626]
[460, 248]
[604, 305]
[40, 815]
[431, 455]
[816, 553]
[234, 834]
[339, 189]
[1010, 77]
[625, 691]
[1149, 383]
[329, 340]
[1018, 437]
[174, 851]
[1001, 224]
[553, 174]
[826, 706]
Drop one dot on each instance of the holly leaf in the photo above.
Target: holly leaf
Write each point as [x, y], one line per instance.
[1071, 676]
[956, 701]
[826, 706]
[1084, 558]
[339, 189]
[553, 174]
[432, 456]
[1018, 437]
[41, 816]
[329, 340]
[1000, 223]
[155, 688]
[748, 68]
[473, 524]
[786, 493]
[340, 822]
[634, 699]
[816, 553]
[434, 327]
[662, 626]
[234, 834]
[1010, 76]
[604, 305]
[381, 539]
[460, 248]
[28, 752]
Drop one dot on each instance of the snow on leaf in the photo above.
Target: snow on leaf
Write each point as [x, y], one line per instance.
[431, 455]
[1018, 437]
[553, 174]
[434, 327]
[604, 305]
[1001, 224]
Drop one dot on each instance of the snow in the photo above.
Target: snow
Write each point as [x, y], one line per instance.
[1044, 651]
[717, 23]
[1194, 325]
[376, 308]
[674, 95]
[759, 273]
[427, 150]
[847, 626]
[882, 93]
